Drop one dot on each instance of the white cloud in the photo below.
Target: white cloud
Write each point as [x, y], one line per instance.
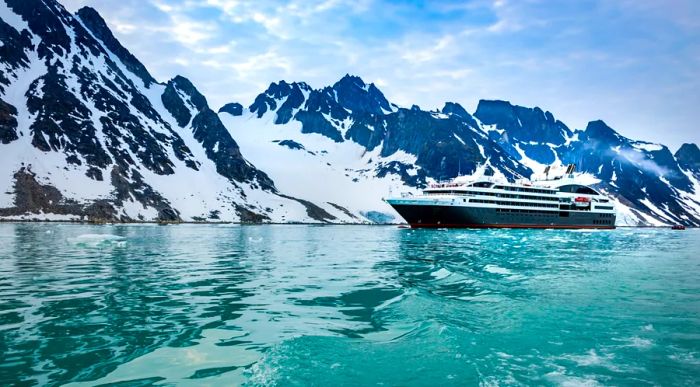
[261, 63]
[190, 32]
[434, 51]
[640, 160]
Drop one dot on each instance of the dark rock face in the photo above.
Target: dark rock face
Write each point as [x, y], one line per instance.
[12, 50]
[295, 97]
[8, 123]
[345, 211]
[223, 150]
[367, 130]
[291, 93]
[455, 109]
[291, 144]
[46, 20]
[76, 134]
[444, 147]
[94, 22]
[183, 100]
[523, 123]
[34, 197]
[175, 105]
[130, 184]
[196, 98]
[688, 156]
[356, 96]
[600, 132]
[248, 216]
[314, 122]
[234, 108]
[314, 211]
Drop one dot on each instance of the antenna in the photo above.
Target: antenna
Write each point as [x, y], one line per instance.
[459, 170]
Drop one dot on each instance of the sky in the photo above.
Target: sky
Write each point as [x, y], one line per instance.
[633, 63]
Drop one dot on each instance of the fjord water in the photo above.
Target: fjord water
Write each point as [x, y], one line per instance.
[347, 305]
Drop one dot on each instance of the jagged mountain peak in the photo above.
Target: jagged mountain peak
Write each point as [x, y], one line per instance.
[689, 151]
[183, 100]
[598, 129]
[283, 95]
[357, 96]
[348, 79]
[185, 85]
[688, 156]
[455, 109]
[493, 104]
[349, 95]
[282, 88]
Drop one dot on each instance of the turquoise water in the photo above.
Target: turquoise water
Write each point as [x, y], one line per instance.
[347, 305]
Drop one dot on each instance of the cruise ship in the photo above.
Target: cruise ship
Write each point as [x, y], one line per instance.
[481, 201]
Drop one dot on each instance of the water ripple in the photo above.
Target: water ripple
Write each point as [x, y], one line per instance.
[308, 305]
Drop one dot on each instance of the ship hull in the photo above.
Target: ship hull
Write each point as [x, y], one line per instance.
[438, 216]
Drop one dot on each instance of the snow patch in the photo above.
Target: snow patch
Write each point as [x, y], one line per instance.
[646, 146]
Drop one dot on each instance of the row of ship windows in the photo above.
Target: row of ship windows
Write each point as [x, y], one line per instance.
[514, 203]
[517, 210]
[513, 196]
[521, 189]
[573, 188]
[500, 195]
[603, 208]
[552, 213]
[606, 215]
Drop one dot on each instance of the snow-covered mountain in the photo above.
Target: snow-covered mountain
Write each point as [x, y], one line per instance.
[335, 140]
[87, 133]
[651, 185]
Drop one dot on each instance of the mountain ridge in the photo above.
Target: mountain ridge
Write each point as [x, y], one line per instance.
[86, 133]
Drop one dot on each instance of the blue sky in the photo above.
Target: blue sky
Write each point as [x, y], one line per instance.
[633, 63]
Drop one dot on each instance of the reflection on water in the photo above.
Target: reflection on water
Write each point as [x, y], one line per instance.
[312, 305]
